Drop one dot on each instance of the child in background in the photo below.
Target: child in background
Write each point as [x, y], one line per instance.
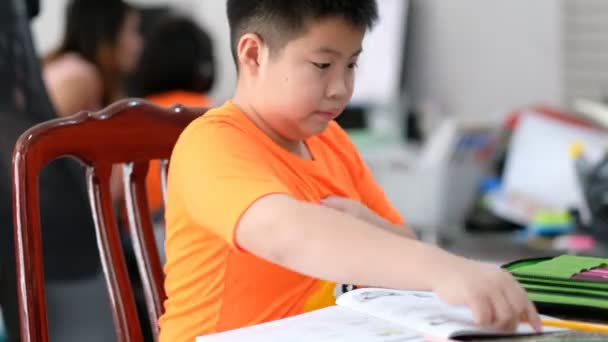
[177, 64]
[270, 206]
[176, 67]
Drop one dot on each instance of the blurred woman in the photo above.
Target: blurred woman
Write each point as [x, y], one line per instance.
[100, 47]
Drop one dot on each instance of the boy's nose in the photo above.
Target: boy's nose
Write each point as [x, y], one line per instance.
[338, 89]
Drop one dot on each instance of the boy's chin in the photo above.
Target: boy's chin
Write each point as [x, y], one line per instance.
[318, 128]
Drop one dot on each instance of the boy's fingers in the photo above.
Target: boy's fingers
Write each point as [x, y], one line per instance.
[529, 312]
[518, 298]
[482, 311]
[505, 314]
[334, 202]
[533, 318]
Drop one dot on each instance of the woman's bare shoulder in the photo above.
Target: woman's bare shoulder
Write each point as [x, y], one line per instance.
[72, 66]
[74, 84]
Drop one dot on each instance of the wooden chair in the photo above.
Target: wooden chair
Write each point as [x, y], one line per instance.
[130, 132]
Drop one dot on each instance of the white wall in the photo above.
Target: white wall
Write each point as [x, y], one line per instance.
[475, 58]
[478, 58]
[48, 27]
[210, 14]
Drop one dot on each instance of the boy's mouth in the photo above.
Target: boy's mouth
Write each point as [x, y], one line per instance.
[328, 115]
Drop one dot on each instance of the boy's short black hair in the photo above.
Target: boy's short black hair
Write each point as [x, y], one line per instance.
[178, 55]
[278, 21]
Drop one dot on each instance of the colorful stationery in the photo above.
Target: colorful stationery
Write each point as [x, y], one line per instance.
[568, 285]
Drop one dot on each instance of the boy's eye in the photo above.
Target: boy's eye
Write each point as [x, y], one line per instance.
[353, 65]
[322, 65]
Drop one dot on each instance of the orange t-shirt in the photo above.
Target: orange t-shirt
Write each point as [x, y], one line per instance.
[221, 164]
[168, 99]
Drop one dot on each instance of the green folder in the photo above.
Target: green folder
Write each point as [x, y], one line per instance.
[549, 285]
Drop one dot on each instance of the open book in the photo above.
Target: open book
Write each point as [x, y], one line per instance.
[373, 315]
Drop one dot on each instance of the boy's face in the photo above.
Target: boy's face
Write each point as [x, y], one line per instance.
[306, 84]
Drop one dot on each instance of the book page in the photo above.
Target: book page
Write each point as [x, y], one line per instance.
[420, 311]
[332, 324]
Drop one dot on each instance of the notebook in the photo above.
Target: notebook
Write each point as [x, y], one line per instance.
[375, 315]
[567, 285]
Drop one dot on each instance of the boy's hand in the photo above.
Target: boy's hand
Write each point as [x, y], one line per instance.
[495, 297]
[360, 211]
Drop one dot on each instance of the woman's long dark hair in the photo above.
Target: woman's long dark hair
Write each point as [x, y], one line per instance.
[90, 25]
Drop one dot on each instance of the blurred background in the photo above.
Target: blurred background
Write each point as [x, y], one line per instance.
[485, 120]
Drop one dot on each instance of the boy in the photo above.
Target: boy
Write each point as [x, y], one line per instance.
[270, 205]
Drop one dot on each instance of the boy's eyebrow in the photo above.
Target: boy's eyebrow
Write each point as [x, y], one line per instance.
[336, 52]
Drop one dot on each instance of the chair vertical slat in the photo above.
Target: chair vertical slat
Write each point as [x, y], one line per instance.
[112, 258]
[141, 231]
[28, 250]
[164, 170]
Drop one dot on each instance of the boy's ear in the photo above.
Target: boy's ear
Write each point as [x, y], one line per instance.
[249, 52]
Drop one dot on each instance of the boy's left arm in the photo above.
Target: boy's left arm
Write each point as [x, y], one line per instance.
[374, 206]
[359, 210]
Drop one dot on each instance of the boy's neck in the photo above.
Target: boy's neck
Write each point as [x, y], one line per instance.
[297, 147]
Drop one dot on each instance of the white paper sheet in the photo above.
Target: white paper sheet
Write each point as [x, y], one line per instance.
[333, 324]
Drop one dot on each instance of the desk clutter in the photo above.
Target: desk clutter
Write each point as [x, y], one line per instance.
[549, 184]
[567, 286]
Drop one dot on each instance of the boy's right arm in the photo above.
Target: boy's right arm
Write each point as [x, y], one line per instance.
[327, 244]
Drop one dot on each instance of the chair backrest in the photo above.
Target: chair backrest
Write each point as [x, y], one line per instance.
[129, 132]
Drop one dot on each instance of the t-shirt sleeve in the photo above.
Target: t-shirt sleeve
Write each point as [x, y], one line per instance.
[218, 174]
